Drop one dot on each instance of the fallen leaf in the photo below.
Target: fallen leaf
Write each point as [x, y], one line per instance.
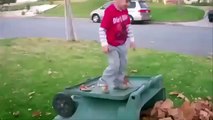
[49, 72]
[186, 99]
[14, 92]
[181, 96]
[134, 71]
[199, 98]
[168, 118]
[209, 98]
[210, 113]
[48, 113]
[173, 112]
[160, 113]
[163, 110]
[204, 115]
[156, 106]
[176, 114]
[174, 93]
[31, 93]
[16, 114]
[188, 111]
[36, 114]
[30, 97]
[29, 109]
[167, 104]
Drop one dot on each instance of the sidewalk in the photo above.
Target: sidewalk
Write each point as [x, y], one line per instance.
[28, 13]
[201, 23]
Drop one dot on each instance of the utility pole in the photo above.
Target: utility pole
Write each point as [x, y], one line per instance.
[69, 29]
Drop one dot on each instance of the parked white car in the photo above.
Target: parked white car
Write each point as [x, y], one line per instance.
[138, 11]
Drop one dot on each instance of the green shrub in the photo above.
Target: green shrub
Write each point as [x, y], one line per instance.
[28, 6]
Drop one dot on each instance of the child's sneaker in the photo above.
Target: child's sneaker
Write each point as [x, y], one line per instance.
[121, 87]
[125, 85]
[85, 88]
[104, 88]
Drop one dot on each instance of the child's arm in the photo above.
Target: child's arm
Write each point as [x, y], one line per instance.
[105, 24]
[103, 39]
[102, 35]
[131, 36]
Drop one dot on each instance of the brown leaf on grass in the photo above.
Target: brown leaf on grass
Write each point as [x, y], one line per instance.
[205, 104]
[181, 96]
[134, 71]
[148, 118]
[36, 114]
[209, 98]
[30, 97]
[186, 99]
[161, 113]
[210, 113]
[174, 113]
[48, 113]
[156, 106]
[204, 115]
[31, 93]
[166, 105]
[188, 111]
[49, 72]
[16, 114]
[174, 93]
[198, 110]
[168, 118]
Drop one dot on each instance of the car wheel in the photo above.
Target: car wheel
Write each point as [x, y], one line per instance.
[210, 19]
[131, 19]
[96, 18]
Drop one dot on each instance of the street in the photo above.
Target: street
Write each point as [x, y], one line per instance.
[175, 38]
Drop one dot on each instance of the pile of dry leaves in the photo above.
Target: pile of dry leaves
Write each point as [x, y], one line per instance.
[165, 110]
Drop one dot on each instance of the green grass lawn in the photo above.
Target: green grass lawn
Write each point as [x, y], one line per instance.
[174, 13]
[80, 9]
[160, 12]
[47, 66]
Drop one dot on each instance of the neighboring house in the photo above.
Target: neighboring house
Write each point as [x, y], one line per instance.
[22, 1]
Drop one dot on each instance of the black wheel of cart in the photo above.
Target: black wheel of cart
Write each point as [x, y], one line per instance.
[64, 105]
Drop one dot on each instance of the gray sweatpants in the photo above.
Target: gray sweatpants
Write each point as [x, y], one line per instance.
[115, 72]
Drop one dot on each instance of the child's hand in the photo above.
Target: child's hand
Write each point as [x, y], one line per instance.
[105, 49]
[132, 45]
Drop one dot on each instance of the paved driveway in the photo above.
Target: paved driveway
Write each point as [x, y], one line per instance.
[175, 38]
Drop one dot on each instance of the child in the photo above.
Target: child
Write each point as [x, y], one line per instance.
[114, 30]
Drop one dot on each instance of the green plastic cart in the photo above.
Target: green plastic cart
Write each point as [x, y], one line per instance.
[74, 104]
